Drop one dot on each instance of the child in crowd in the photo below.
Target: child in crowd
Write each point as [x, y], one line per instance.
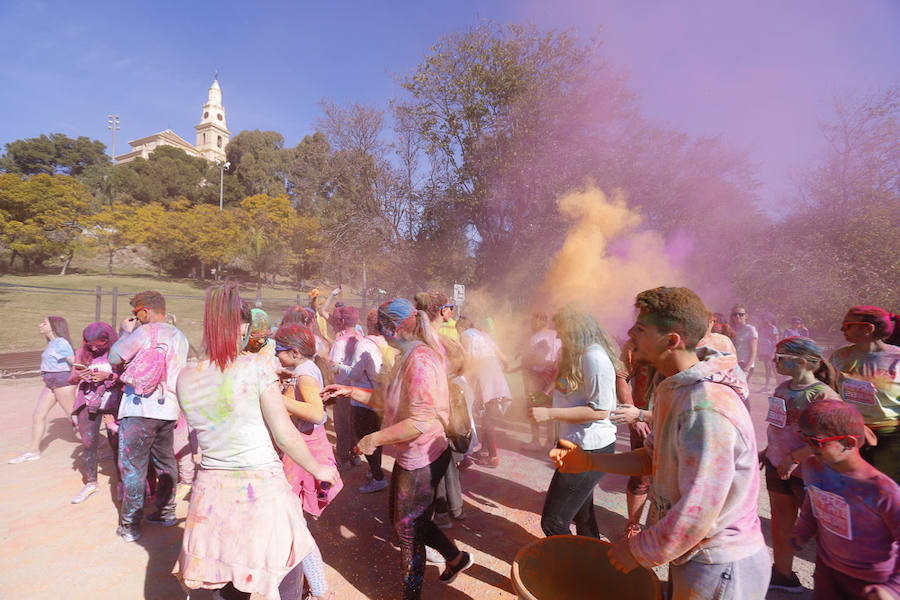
[811, 375]
[852, 508]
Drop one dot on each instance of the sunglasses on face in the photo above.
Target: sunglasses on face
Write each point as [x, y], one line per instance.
[780, 357]
[137, 310]
[738, 314]
[845, 326]
[279, 348]
[818, 442]
[450, 306]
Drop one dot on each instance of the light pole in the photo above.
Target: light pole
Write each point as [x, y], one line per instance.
[222, 168]
[113, 125]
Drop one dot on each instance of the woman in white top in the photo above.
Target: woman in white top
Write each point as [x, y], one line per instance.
[56, 365]
[245, 529]
[585, 394]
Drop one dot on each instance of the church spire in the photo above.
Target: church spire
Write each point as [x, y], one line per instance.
[212, 132]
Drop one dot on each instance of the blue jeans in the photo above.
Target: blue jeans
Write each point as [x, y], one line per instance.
[570, 497]
[745, 579]
[142, 439]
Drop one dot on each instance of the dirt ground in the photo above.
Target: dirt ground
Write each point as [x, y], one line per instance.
[52, 549]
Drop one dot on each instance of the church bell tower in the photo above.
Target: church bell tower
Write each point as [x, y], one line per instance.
[212, 133]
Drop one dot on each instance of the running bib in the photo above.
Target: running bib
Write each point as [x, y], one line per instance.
[831, 511]
[777, 412]
[858, 391]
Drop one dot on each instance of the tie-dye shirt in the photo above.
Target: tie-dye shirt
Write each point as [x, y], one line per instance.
[871, 381]
[784, 440]
[223, 408]
[419, 393]
[703, 458]
[856, 521]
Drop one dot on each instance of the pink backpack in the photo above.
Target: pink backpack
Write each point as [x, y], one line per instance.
[147, 370]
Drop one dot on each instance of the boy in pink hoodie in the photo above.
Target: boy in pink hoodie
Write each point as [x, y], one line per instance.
[701, 454]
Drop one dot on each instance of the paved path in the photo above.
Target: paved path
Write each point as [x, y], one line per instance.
[52, 549]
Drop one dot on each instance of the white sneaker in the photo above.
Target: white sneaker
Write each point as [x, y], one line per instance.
[375, 485]
[27, 456]
[433, 556]
[86, 492]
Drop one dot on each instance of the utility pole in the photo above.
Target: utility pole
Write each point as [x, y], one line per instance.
[222, 168]
[113, 125]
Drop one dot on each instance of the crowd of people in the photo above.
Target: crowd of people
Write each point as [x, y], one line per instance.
[256, 405]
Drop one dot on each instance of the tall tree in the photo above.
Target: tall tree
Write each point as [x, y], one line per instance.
[53, 154]
[258, 162]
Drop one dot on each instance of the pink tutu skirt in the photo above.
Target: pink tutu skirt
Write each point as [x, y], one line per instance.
[303, 483]
[244, 527]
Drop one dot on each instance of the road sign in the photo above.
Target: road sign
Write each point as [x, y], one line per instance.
[459, 293]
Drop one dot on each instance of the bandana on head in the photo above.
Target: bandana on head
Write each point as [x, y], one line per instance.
[99, 336]
[800, 346]
[393, 315]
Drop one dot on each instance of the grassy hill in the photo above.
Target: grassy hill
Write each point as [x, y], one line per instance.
[23, 308]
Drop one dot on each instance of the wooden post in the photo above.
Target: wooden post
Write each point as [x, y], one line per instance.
[97, 307]
[115, 302]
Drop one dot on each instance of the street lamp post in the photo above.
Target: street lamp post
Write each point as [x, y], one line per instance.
[113, 125]
[222, 168]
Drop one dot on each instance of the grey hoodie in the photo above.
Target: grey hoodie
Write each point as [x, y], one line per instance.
[703, 458]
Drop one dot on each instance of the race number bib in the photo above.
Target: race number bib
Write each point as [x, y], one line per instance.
[777, 412]
[858, 391]
[831, 511]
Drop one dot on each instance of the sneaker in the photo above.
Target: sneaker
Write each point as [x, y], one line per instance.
[487, 461]
[433, 556]
[86, 492]
[785, 584]
[373, 485]
[451, 573]
[128, 534]
[532, 446]
[442, 520]
[27, 456]
[163, 520]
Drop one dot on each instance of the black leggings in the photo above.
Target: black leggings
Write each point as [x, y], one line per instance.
[411, 508]
[366, 421]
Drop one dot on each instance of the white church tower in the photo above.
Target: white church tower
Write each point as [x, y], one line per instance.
[212, 133]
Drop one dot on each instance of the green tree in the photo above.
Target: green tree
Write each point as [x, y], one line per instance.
[53, 154]
[45, 217]
[267, 225]
[258, 162]
[112, 230]
[167, 175]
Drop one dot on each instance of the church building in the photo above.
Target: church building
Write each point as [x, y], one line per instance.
[212, 134]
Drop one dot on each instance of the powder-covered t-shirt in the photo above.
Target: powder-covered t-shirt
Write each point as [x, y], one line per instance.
[743, 343]
[223, 408]
[161, 403]
[53, 358]
[782, 440]
[856, 521]
[871, 381]
[598, 390]
[419, 393]
[310, 369]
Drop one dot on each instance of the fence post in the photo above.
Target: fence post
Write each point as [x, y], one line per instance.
[115, 302]
[97, 308]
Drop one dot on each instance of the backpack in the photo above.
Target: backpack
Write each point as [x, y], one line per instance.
[147, 370]
[459, 428]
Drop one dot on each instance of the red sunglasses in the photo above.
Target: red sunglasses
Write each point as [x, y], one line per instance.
[820, 442]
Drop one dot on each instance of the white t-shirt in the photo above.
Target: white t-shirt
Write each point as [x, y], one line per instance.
[223, 408]
[743, 343]
[598, 391]
[161, 403]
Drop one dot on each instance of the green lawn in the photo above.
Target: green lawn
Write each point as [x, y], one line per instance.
[22, 309]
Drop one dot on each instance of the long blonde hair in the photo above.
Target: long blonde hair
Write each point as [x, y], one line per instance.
[577, 329]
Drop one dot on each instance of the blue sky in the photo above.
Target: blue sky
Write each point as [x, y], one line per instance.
[761, 74]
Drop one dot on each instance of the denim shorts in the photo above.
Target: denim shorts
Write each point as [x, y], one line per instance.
[55, 379]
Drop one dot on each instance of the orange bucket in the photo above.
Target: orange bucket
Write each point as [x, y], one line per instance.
[573, 567]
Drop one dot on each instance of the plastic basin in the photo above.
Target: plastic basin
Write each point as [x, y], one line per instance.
[572, 567]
